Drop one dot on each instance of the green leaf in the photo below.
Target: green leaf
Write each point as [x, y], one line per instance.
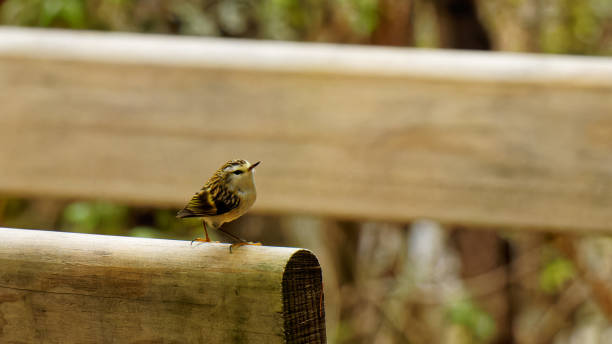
[555, 274]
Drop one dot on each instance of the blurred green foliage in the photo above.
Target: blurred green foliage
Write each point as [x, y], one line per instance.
[552, 26]
[145, 232]
[12, 206]
[45, 13]
[577, 27]
[94, 217]
[100, 217]
[555, 274]
[479, 323]
[114, 219]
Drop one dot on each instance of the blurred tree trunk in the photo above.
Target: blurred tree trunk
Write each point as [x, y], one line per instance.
[395, 24]
[459, 25]
[481, 251]
[341, 241]
[534, 27]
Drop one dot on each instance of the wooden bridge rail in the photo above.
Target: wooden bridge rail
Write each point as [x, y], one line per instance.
[81, 288]
[503, 140]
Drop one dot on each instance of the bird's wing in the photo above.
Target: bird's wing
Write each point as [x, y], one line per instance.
[203, 204]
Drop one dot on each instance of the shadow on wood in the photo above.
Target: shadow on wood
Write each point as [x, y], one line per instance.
[66, 288]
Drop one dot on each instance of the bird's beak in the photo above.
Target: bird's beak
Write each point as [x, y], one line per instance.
[253, 166]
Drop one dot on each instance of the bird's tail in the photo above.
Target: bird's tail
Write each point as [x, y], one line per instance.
[185, 213]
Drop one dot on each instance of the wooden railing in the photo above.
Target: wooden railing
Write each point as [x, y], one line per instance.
[81, 288]
[505, 140]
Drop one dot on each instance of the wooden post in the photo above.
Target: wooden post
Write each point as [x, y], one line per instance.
[80, 288]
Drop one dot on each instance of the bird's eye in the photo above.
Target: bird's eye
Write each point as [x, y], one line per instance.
[238, 172]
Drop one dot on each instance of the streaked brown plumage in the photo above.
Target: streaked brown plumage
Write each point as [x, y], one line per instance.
[226, 196]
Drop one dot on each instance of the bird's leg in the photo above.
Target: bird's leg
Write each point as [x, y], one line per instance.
[207, 239]
[241, 242]
[231, 235]
[205, 231]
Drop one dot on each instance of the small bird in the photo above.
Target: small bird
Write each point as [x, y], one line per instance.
[226, 196]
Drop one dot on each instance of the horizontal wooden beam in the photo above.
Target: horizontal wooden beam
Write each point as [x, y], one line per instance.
[81, 288]
[489, 139]
[276, 56]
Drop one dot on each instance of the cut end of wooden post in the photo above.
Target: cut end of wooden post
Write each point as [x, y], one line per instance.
[303, 304]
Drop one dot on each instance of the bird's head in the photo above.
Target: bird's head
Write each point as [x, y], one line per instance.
[238, 174]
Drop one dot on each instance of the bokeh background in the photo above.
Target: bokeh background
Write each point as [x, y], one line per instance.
[417, 282]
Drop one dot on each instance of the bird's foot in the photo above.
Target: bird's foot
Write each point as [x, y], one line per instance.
[242, 243]
[203, 240]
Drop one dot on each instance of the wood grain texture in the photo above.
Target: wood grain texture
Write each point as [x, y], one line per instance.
[80, 288]
[358, 133]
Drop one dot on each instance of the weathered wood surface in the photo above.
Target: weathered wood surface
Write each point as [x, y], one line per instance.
[81, 288]
[352, 132]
